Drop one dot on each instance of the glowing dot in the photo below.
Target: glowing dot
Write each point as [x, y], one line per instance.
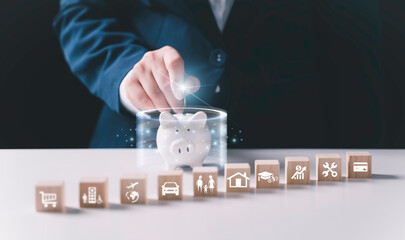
[131, 139]
[118, 135]
[234, 140]
[212, 131]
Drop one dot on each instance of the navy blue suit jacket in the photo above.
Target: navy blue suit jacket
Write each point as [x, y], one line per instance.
[288, 74]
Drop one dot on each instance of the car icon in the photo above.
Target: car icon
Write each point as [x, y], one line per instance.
[170, 188]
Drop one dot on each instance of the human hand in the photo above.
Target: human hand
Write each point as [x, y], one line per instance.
[158, 81]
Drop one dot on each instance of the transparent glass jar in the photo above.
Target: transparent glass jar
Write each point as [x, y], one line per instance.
[147, 126]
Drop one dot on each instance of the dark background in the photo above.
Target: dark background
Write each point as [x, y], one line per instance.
[44, 106]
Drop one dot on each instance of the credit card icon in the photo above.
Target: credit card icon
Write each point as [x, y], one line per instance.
[360, 167]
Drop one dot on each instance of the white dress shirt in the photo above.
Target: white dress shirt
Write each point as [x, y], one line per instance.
[221, 10]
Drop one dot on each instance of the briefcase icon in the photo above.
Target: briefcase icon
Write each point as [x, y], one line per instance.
[360, 167]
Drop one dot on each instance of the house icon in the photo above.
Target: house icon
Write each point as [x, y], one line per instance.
[238, 180]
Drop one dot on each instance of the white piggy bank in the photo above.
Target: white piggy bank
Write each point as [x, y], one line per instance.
[183, 139]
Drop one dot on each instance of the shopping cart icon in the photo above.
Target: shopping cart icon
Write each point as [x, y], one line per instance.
[48, 199]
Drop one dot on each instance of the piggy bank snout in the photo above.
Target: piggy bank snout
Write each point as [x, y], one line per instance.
[182, 147]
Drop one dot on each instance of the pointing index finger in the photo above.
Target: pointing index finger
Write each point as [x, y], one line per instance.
[175, 67]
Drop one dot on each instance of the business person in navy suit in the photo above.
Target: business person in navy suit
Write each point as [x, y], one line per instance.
[290, 73]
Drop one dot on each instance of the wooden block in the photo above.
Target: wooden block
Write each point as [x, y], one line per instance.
[297, 170]
[93, 193]
[50, 196]
[267, 173]
[237, 177]
[329, 167]
[170, 185]
[133, 188]
[205, 181]
[358, 164]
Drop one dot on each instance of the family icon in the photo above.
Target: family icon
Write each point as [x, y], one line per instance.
[205, 181]
[200, 185]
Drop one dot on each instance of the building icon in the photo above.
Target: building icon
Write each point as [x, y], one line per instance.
[92, 195]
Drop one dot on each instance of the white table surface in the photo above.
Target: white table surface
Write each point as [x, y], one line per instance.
[350, 209]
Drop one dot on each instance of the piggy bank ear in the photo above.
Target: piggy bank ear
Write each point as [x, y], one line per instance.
[167, 120]
[199, 119]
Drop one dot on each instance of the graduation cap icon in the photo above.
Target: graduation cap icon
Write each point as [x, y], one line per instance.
[267, 176]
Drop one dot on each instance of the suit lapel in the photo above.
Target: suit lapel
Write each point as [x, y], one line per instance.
[199, 14]
[239, 20]
[179, 7]
[196, 12]
[205, 20]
